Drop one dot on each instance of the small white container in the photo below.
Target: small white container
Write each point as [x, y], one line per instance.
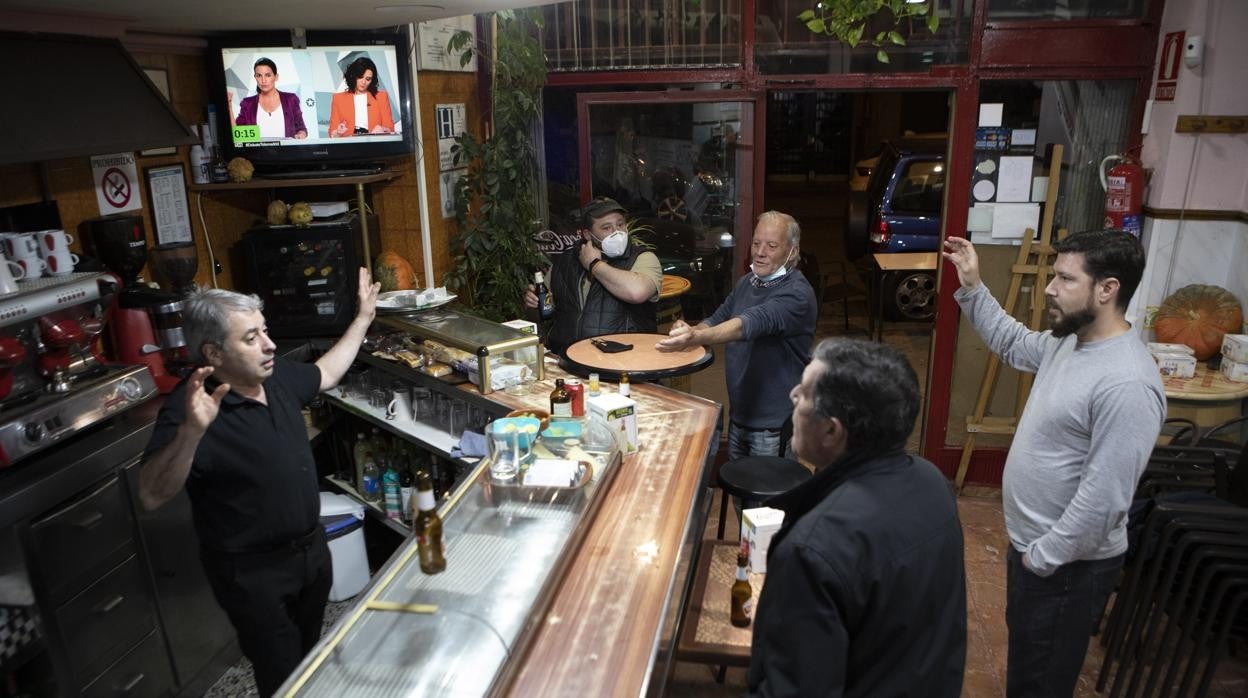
[758, 526]
[1163, 348]
[1176, 365]
[1235, 347]
[1235, 371]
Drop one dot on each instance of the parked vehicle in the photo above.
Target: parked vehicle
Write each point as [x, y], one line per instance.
[900, 212]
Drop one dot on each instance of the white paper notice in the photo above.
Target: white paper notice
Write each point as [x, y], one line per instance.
[990, 114]
[979, 219]
[1011, 221]
[116, 183]
[1014, 179]
[1039, 188]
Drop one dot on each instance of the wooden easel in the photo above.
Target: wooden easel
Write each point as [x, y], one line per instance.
[1033, 263]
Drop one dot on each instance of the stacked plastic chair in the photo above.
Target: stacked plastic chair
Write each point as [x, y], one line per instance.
[1184, 595]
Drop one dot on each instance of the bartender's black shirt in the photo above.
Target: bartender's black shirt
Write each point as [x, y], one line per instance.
[253, 484]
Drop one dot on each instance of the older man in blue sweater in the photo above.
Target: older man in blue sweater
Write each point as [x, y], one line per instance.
[768, 323]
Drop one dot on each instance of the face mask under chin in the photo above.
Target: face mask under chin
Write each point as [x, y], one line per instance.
[779, 272]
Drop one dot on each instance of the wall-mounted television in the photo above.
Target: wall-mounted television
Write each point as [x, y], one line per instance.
[288, 108]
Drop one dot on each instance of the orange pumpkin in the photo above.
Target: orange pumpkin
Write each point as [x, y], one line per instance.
[393, 272]
[1198, 316]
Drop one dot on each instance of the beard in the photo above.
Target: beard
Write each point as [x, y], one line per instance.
[1069, 323]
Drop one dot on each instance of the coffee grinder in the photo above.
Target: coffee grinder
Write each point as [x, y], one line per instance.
[119, 241]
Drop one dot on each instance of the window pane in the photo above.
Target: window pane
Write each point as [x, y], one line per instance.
[785, 46]
[1066, 9]
[1088, 117]
[617, 34]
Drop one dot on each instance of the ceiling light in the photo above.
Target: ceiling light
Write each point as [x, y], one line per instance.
[402, 7]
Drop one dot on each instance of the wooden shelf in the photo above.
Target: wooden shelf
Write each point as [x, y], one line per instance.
[262, 183]
[372, 509]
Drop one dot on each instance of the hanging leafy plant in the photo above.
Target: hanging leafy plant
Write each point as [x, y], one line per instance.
[846, 21]
[496, 202]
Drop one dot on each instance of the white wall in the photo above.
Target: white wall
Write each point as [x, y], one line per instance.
[1200, 172]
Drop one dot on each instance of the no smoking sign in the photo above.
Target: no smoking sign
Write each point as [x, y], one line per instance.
[115, 180]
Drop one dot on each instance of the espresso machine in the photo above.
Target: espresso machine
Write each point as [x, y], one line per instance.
[146, 324]
[54, 382]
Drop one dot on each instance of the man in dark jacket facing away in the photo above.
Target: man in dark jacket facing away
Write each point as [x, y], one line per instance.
[865, 591]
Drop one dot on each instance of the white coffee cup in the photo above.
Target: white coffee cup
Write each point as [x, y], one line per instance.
[400, 407]
[23, 249]
[10, 273]
[54, 248]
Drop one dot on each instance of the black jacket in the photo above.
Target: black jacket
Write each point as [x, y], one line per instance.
[866, 590]
[603, 313]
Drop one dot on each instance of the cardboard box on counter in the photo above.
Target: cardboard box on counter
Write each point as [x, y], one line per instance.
[1235, 371]
[757, 527]
[620, 415]
[1235, 347]
[1176, 365]
[1163, 348]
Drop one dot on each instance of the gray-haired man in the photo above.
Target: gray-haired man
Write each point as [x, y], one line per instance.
[233, 434]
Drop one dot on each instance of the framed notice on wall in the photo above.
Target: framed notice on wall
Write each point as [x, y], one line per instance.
[166, 189]
[432, 38]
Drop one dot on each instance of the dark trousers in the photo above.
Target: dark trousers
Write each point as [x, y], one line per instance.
[275, 601]
[1050, 620]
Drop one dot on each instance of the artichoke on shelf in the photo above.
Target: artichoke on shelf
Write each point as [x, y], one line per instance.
[276, 213]
[300, 214]
[241, 170]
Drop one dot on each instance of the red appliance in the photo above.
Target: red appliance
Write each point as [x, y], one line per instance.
[53, 379]
[120, 242]
[1124, 193]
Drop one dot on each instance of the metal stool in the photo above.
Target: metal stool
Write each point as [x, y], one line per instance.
[756, 478]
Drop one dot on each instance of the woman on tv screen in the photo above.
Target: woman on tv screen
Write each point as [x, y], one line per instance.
[362, 108]
[277, 113]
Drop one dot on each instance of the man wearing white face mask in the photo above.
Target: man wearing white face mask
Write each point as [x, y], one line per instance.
[768, 323]
[607, 286]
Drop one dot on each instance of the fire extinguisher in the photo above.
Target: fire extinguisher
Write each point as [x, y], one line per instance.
[1124, 193]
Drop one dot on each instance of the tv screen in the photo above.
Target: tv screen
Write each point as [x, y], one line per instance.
[345, 98]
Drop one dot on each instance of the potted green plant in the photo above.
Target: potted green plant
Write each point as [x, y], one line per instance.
[847, 20]
[496, 202]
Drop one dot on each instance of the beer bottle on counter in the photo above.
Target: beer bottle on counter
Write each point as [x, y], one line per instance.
[742, 593]
[545, 301]
[560, 400]
[427, 527]
[625, 389]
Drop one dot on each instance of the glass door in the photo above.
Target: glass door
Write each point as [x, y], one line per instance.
[681, 163]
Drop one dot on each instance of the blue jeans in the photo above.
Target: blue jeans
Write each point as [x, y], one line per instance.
[1050, 620]
[743, 442]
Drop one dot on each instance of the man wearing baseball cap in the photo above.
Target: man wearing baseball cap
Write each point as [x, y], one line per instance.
[608, 285]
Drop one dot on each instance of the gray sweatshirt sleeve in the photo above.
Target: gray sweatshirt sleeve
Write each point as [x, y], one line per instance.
[1126, 421]
[1006, 337]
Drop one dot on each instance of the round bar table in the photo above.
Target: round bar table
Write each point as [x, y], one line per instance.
[1206, 398]
[642, 363]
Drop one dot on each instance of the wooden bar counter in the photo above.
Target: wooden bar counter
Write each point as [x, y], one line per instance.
[604, 622]
[611, 628]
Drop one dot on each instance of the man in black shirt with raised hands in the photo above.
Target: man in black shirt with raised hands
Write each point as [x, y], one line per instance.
[233, 434]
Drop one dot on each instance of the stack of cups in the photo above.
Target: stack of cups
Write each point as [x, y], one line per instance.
[22, 249]
[53, 247]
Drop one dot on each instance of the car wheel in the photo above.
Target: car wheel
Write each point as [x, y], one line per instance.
[856, 216]
[910, 295]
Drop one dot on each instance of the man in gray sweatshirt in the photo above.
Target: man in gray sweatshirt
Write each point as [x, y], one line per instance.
[1082, 443]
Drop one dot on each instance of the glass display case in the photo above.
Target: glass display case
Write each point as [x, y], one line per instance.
[506, 547]
[491, 345]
